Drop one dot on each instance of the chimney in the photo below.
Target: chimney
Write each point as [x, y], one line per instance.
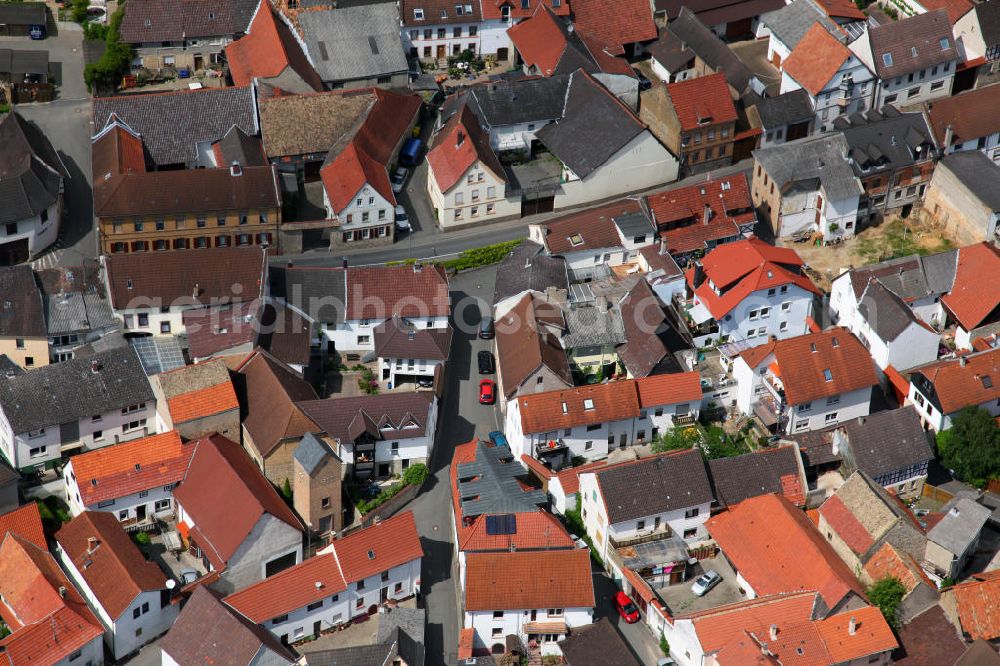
[852, 626]
[235, 169]
[92, 544]
[774, 632]
[949, 135]
[196, 290]
[459, 139]
[707, 215]
[699, 274]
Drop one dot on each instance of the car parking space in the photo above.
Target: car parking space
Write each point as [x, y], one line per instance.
[681, 600]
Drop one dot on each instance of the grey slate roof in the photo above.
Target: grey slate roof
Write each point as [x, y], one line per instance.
[887, 441]
[76, 387]
[488, 485]
[354, 42]
[238, 146]
[593, 327]
[822, 158]
[884, 311]
[963, 520]
[654, 485]
[697, 37]
[791, 23]
[911, 277]
[8, 368]
[31, 173]
[890, 141]
[751, 474]
[196, 117]
[77, 312]
[978, 173]
[644, 350]
[311, 451]
[405, 628]
[785, 109]
[499, 103]
[19, 62]
[527, 268]
[21, 313]
[912, 43]
[594, 126]
[319, 293]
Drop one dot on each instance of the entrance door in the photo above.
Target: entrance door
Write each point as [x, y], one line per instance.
[384, 595]
[441, 52]
[199, 62]
[534, 615]
[383, 469]
[140, 513]
[316, 628]
[502, 54]
[622, 441]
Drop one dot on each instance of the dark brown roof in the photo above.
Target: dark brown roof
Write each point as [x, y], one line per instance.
[286, 335]
[21, 315]
[928, 639]
[523, 347]
[177, 20]
[759, 473]
[397, 338]
[643, 318]
[596, 645]
[388, 416]
[207, 632]
[592, 229]
[220, 468]
[166, 193]
[268, 391]
[220, 275]
[669, 482]
[912, 44]
[438, 12]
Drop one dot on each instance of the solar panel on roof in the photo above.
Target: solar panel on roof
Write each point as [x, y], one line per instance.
[502, 524]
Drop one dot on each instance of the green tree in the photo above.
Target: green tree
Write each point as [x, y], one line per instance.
[115, 60]
[971, 447]
[664, 645]
[887, 593]
[286, 489]
[416, 474]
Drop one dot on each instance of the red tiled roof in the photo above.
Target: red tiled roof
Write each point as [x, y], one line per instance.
[804, 361]
[741, 268]
[720, 629]
[25, 521]
[816, 59]
[110, 472]
[594, 228]
[393, 542]
[117, 150]
[350, 171]
[872, 634]
[973, 297]
[569, 478]
[842, 9]
[459, 145]
[221, 468]
[112, 566]
[552, 410]
[669, 389]
[680, 213]
[976, 600]
[777, 549]
[792, 490]
[701, 101]
[969, 114]
[847, 526]
[886, 562]
[956, 8]
[528, 579]
[958, 385]
[205, 402]
[267, 50]
[212, 331]
[373, 292]
[290, 589]
[46, 626]
[615, 24]
[518, 10]
[540, 40]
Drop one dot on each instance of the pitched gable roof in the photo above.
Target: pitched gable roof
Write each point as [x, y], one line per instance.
[524, 347]
[269, 391]
[816, 59]
[221, 468]
[976, 601]
[671, 481]
[954, 383]
[171, 20]
[545, 42]
[615, 24]
[912, 43]
[973, 299]
[108, 561]
[459, 145]
[380, 547]
[528, 579]
[697, 216]
[373, 292]
[267, 50]
[760, 472]
[25, 521]
[289, 590]
[777, 549]
[702, 100]
[388, 416]
[590, 229]
[23, 315]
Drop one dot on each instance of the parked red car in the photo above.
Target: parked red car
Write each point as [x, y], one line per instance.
[487, 392]
[626, 608]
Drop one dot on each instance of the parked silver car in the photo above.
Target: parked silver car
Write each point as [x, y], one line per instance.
[705, 582]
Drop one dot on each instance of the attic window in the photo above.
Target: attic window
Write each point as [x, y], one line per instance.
[913, 51]
[525, 4]
[459, 11]
[322, 51]
[565, 408]
[128, 283]
[835, 342]
[7, 305]
[148, 23]
[138, 467]
[588, 404]
[945, 44]
[726, 186]
[987, 381]
[468, 10]
[211, 16]
[887, 59]
[93, 482]
[371, 554]
[827, 375]
[444, 13]
[418, 14]
[812, 347]
[576, 239]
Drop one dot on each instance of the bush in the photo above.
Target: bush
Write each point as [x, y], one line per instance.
[367, 381]
[887, 593]
[364, 506]
[78, 11]
[416, 474]
[971, 447]
[286, 489]
[664, 645]
[675, 439]
[142, 538]
[115, 60]
[481, 256]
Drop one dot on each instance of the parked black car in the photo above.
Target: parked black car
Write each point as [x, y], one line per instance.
[486, 329]
[486, 365]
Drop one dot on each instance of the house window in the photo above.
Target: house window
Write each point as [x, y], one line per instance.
[497, 632]
[161, 505]
[691, 513]
[360, 585]
[555, 612]
[640, 524]
[142, 319]
[37, 452]
[324, 503]
[280, 619]
[497, 615]
[587, 446]
[805, 407]
[394, 448]
[164, 327]
[593, 426]
[314, 606]
[831, 417]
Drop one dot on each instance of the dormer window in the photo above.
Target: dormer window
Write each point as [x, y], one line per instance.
[575, 240]
[887, 59]
[827, 375]
[945, 44]
[588, 404]
[418, 14]
[525, 4]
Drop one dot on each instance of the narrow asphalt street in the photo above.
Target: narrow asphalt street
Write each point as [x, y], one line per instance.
[637, 636]
[460, 418]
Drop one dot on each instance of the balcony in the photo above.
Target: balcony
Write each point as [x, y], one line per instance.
[550, 448]
[662, 532]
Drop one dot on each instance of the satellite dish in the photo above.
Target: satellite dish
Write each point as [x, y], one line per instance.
[171, 583]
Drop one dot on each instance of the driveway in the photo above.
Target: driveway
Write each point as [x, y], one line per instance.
[461, 417]
[66, 122]
[637, 636]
